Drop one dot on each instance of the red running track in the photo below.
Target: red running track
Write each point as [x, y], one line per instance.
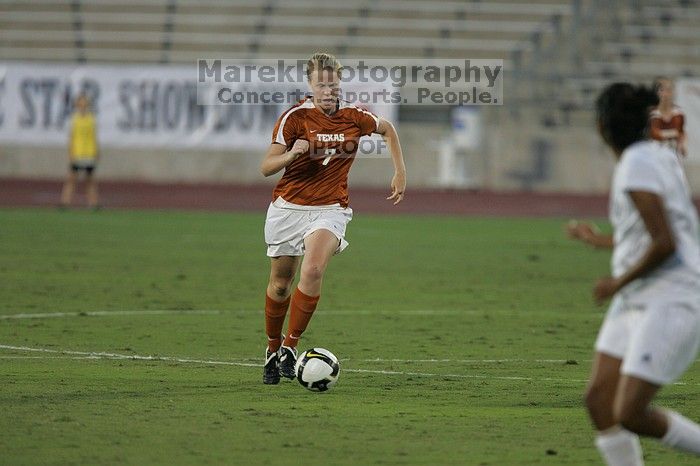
[255, 198]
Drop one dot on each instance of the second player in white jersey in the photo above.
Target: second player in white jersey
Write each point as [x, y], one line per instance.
[648, 166]
[651, 332]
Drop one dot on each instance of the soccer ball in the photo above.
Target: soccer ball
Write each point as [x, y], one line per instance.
[317, 369]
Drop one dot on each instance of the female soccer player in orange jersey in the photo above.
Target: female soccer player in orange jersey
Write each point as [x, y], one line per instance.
[315, 142]
[666, 120]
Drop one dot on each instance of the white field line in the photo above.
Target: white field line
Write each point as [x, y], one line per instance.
[466, 361]
[135, 357]
[241, 361]
[446, 361]
[466, 376]
[338, 312]
[49, 315]
[49, 357]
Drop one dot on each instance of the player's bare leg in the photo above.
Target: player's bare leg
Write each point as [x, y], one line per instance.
[282, 272]
[319, 247]
[616, 445]
[601, 390]
[92, 194]
[68, 189]
[633, 409]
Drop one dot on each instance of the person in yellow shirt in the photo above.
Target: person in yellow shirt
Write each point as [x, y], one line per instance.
[83, 153]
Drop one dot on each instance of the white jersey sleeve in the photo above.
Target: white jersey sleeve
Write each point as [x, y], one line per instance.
[642, 172]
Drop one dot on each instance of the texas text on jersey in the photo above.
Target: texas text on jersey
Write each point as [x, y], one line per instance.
[320, 176]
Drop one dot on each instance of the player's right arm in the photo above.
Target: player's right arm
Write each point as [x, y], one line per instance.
[650, 206]
[71, 139]
[278, 157]
[655, 130]
[589, 234]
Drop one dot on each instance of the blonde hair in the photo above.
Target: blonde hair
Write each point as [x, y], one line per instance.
[322, 61]
[659, 81]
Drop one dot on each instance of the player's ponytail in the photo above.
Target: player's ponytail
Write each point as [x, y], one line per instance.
[622, 111]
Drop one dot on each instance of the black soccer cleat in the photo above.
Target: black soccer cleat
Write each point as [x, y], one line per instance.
[271, 371]
[288, 359]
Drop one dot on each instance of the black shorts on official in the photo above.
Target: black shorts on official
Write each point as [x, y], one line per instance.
[88, 167]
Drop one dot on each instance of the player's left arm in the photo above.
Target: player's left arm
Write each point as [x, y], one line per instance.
[682, 140]
[662, 246]
[589, 233]
[97, 141]
[398, 182]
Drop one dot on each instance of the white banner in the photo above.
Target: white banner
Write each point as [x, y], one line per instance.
[688, 99]
[136, 106]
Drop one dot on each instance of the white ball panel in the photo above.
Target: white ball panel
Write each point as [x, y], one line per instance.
[316, 369]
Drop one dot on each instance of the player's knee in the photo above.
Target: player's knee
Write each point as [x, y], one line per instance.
[590, 400]
[281, 287]
[629, 417]
[630, 420]
[598, 399]
[312, 272]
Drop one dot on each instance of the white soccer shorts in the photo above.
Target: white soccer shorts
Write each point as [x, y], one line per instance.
[658, 341]
[287, 225]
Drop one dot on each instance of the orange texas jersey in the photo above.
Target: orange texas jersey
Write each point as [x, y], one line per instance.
[320, 176]
[667, 130]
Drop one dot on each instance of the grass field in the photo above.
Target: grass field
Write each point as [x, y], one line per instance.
[462, 341]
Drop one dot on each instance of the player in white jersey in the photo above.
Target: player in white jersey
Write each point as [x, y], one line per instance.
[651, 332]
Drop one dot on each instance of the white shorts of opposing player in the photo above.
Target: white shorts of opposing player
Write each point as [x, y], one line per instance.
[657, 339]
[287, 225]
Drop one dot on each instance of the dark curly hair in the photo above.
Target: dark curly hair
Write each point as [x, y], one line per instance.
[622, 112]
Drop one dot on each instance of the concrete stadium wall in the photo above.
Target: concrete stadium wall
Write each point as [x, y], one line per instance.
[578, 161]
[216, 166]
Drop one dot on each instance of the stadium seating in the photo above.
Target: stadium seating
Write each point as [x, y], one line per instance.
[632, 41]
[557, 53]
[651, 37]
[183, 30]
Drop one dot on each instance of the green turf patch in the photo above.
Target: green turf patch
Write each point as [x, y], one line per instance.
[462, 341]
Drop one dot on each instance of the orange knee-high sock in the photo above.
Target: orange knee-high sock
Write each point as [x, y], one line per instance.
[274, 321]
[302, 308]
